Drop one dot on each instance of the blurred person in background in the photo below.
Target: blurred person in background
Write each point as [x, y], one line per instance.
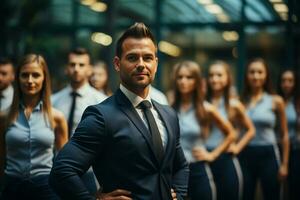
[158, 96]
[195, 118]
[170, 94]
[288, 89]
[30, 132]
[6, 78]
[260, 159]
[100, 78]
[226, 169]
[77, 96]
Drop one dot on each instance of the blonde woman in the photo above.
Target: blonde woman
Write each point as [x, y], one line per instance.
[30, 132]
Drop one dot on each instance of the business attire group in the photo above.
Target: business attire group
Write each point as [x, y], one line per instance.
[211, 146]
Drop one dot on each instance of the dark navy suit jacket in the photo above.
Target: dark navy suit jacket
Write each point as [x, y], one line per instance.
[114, 140]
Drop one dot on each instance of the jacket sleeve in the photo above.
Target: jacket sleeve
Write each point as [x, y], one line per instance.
[77, 156]
[181, 169]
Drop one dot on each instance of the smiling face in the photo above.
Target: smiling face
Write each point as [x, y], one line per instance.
[31, 79]
[256, 75]
[287, 83]
[217, 77]
[138, 63]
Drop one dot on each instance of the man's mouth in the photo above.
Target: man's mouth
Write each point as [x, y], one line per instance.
[141, 74]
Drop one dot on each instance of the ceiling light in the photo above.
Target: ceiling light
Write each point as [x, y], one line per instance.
[205, 2]
[214, 9]
[168, 48]
[275, 1]
[284, 16]
[280, 7]
[88, 2]
[230, 36]
[99, 7]
[101, 38]
[222, 18]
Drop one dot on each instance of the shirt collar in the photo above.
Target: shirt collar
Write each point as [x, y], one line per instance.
[83, 90]
[133, 98]
[38, 107]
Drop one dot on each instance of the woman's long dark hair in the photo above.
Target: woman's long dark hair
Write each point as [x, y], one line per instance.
[295, 93]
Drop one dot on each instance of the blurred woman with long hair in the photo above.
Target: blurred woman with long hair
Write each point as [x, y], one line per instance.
[195, 117]
[288, 89]
[260, 160]
[226, 169]
[100, 79]
[30, 132]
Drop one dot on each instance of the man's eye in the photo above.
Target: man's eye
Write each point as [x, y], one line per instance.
[149, 58]
[131, 58]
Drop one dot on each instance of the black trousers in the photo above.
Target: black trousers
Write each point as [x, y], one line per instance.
[36, 188]
[294, 174]
[228, 177]
[201, 183]
[261, 163]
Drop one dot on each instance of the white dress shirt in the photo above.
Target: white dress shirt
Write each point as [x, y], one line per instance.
[7, 98]
[62, 101]
[136, 100]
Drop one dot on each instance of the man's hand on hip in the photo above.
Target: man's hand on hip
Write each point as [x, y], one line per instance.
[118, 194]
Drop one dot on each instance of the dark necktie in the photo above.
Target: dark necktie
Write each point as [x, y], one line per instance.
[72, 110]
[156, 138]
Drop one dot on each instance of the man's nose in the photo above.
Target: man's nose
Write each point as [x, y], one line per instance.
[76, 68]
[141, 62]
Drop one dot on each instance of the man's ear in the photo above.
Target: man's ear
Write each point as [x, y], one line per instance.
[90, 70]
[117, 63]
[12, 78]
[156, 58]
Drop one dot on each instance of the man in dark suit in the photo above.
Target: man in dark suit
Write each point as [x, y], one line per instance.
[131, 141]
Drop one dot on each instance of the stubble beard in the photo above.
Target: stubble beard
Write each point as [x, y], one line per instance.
[136, 85]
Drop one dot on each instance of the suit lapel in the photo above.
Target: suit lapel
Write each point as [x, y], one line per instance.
[165, 119]
[134, 117]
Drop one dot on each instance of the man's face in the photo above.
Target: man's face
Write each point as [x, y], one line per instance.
[79, 68]
[6, 76]
[138, 63]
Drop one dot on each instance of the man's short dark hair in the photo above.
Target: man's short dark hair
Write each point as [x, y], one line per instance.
[5, 61]
[80, 51]
[138, 31]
